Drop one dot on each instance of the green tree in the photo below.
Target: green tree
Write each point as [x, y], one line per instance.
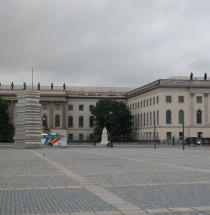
[114, 116]
[6, 128]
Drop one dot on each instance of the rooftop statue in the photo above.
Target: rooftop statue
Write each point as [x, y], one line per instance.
[205, 76]
[191, 76]
[24, 85]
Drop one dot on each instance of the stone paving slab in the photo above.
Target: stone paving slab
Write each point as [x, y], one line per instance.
[36, 181]
[166, 196]
[102, 181]
[185, 213]
[47, 201]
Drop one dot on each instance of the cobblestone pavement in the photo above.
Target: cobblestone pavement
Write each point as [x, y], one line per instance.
[105, 181]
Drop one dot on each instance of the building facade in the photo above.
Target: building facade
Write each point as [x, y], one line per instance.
[158, 108]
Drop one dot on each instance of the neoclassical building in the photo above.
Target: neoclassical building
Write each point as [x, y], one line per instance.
[158, 108]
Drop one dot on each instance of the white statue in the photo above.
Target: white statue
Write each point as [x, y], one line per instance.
[104, 137]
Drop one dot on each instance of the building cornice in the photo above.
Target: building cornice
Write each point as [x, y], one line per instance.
[170, 83]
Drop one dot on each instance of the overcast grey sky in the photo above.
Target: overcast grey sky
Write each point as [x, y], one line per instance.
[103, 42]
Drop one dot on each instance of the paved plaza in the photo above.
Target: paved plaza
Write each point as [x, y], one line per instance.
[105, 181]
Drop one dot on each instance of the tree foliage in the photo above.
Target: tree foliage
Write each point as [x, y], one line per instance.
[114, 116]
[6, 128]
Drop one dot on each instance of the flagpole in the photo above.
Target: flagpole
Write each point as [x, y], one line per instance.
[32, 77]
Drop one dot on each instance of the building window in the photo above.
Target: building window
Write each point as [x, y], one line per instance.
[168, 135]
[70, 136]
[138, 120]
[141, 120]
[147, 119]
[81, 121]
[144, 103]
[141, 104]
[150, 101]
[138, 105]
[181, 116]
[70, 121]
[199, 116]
[199, 99]
[81, 107]
[44, 106]
[57, 121]
[157, 117]
[168, 117]
[44, 121]
[147, 102]
[91, 121]
[150, 118]
[168, 99]
[57, 106]
[181, 99]
[135, 105]
[70, 107]
[154, 119]
[81, 137]
[144, 119]
[153, 100]
[157, 99]
[91, 107]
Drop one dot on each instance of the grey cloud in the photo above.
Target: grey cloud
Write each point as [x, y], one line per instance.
[102, 43]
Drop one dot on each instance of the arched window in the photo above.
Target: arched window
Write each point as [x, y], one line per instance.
[168, 117]
[81, 121]
[70, 121]
[199, 116]
[141, 119]
[136, 120]
[91, 121]
[57, 121]
[150, 118]
[154, 119]
[44, 120]
[181, 116]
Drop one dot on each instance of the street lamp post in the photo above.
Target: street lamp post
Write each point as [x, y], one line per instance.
[94, 125]
[154, 134]
[111, 121]
[182, 117]
[183, 132]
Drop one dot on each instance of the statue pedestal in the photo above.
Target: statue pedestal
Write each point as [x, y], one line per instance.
[104, 137]
[28, 123]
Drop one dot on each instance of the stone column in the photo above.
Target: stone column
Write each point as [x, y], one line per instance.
[206, 95]
[51, 114]
[192, 111]
[28, 123]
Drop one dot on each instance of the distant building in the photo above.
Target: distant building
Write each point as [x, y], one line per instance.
[163, 102]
